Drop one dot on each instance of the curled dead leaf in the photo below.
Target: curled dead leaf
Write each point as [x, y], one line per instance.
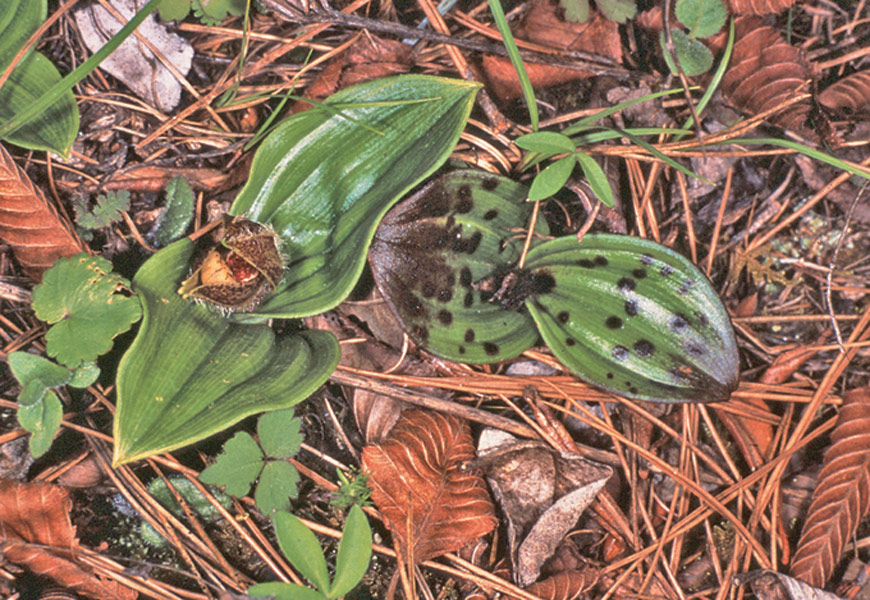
[765, 71]
[842, 495]
[429, 503]
[849, 96]
[759, 7]
[30, 223]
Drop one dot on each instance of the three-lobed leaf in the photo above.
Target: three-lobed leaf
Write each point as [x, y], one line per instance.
[325, 178]
[79, 297]
[238, 467]
[279, 433]
[279, 482]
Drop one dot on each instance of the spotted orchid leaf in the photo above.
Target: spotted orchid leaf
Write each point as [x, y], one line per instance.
[325, 178]
[434, 255]
[633, 317]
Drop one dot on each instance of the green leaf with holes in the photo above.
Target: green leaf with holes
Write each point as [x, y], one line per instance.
[435, 259]
[190, 372]
[55, 129]
[325, 178]
[633, 317]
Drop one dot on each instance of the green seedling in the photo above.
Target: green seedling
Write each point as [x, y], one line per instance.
[302, 549]
[353, 490]
[106, 211]
[244, 461]
[702, 18]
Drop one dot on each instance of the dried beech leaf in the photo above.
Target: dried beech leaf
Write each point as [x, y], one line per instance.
[429, 504]
[849, 96]
[543, 25]
[764, 72]
[29, 223]
[842, 494]
[36, 532]
[759, 7]
[565, 585]
[770, 585]
[542, 493]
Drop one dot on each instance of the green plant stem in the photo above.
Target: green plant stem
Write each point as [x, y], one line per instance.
[516, 60]
[83, 70]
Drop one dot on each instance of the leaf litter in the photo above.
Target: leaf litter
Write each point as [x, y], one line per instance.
[795, 381]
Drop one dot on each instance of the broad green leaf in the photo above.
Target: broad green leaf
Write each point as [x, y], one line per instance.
[694, 57]
[354, 553]
[42, 419]
[433, 258]
[178, 213]
[84, 375]
[302, 549]
[279, 433]
[174, 10]
[619, 11]
[703, 17]
[36, 375]
[325, 178]
[546, 142]
[191, 373]
[54, 130]
[596, 177]
[633, 317]
[78, 296]
[552, 179]
[284, 591]
[279, 482]
[237, 467]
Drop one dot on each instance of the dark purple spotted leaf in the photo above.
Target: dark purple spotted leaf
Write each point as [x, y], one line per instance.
[439, 257]
[633, 317]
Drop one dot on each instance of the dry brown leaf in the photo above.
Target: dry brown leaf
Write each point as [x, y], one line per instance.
[759, 7]
[842, 494]
[765, 71]
[369, 57]
[849, 96]
[542, 25]
[430, 505]
[566, 585]
[30, 223]
[150, 178]
[36, 532]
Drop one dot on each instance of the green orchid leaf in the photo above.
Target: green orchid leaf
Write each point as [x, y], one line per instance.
[42, 419]
[325, 178]
[238, 467]
[552, 179]
[54, 129]
[191, 373]
[354, 553]
[279, 433]
[78, 295]
[36, 375]
[284, 591]
[596, 177]
[633, 317]
[302, 549]
[433, 255]
[279, 482]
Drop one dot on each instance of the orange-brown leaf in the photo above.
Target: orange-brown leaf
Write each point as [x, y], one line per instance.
[842, 494]
[36, 532]
[566, 585]
[759, 7]
[29, 223]
[430, 505]
[849, 96]
[764, 72]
